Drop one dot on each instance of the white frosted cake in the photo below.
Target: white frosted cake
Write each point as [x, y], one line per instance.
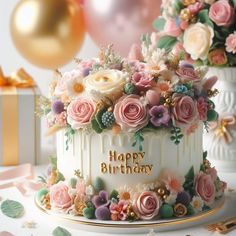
[129, 141]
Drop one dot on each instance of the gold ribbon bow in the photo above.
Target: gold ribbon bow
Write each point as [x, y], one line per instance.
[19, 79]
[222, 128]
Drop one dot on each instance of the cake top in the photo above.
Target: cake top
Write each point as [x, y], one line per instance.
[150, 90]
[204, 29]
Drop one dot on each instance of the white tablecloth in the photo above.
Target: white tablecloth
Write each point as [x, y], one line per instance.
[45, 223]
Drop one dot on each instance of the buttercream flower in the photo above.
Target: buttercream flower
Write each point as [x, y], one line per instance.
[212, 172]
[61, 119]
[75, 87]
[80, 112]
[180, 210]
[159, 115]
[187, 72]
[197, 40]
[173, 181]
[59, 196]
[202, 107]
[61, 87]
[196, 7]
[153, 97]
[230, 43]
[147, 205]
[81, 186]
[135, 53]
[217, 57]
[197, 203]
[171, 28]
[125, 193]
[184, 111]
[222, 13]
[131, 113]
[205, 188]
[58, 107]
[119, 210]
[142, 80]
[107, 83]
[101, 199]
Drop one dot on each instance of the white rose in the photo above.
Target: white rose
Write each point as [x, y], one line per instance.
[105, 83]
[197, 40]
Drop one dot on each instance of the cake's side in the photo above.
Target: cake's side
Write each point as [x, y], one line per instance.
[113, 158]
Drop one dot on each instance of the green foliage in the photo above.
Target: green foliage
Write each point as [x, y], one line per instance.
[159, 23]
[189, 182]
[53, 162]
[166, 42]
[99, 184]
[60, 177]
[231, 58]
[96, 126]
[12, 209]
[89, 212]
[204, 155]
[234, 3]
[138, 140]
[176, 135]
[114, 194]
[203, 16]
[69, 134]
[59, 231]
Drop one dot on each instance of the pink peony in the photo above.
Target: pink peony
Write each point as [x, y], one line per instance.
[119, 210]
[230, 43]
[146, 205]
[142, 80]
[172, 29]
[173, 181]
[59, 196]
[202, 107]
[205, 188]
[185, 110]
[131, 113]
[217, 57]
[80, 112]
[222, 13]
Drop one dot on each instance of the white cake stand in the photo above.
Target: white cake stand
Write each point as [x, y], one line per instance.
[81, 223]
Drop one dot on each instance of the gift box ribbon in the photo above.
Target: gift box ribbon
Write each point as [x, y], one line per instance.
[9, 86]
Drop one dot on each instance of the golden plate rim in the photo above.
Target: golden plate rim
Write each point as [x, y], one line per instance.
[136, 224]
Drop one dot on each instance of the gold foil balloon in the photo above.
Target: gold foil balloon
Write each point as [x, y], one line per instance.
[48, 33]
[120, 22]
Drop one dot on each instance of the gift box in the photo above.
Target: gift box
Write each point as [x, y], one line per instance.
[19, 126]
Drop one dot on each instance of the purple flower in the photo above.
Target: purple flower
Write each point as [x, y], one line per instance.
[103, 213]
[142, 80]
[101, 199]
[58, 107]
[159, 115]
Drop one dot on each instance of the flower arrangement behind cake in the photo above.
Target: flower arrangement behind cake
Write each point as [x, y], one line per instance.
[203, 29]
[151, 90]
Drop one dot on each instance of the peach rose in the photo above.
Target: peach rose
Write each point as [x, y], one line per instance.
[217, 57]
[222, 13]
[184, 111]
[205, 188]
[59, 196]
[80, 112]
[146, 205]
[131, 113]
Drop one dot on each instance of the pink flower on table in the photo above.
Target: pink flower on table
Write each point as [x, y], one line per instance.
[119, 210]
[59, 196]
[159, 115]
[230, 43]
[142, 80]
[205, 188]
[80, 112]
[222, 13]
[61, 119]
[146, 205]
[171, 28]
[131, 113]
[173, 181]
[184, 111]
[202, 107]
[196, 7]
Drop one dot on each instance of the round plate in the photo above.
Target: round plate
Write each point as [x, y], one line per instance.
[82, 223]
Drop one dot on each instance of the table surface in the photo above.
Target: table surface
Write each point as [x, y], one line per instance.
[45, 225]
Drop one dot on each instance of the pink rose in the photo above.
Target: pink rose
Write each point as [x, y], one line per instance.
[131, 113]
[185, 110]
[146, 205]
[153, 97]
[205, 188]
[196, 7]
[187, 72]
[59, 196]
[202, 107]
[80, 112]
[217, 57]
[172, 29]
[212, 172]
[222, 13]
[142, 80]
[230, 43]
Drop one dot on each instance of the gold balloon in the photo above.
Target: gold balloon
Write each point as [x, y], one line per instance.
[48, 33]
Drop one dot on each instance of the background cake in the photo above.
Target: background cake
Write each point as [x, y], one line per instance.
[129, 138]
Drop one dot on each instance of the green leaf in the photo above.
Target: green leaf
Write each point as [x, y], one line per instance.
[190, 174]
[159, 23]
[204, 155]
[166, 42]
[96, 126]
[12, 208]
[204, 17]
[59, 231]
[234, 2]
[53, 162]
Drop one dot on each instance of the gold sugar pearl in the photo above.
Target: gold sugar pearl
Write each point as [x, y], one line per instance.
[161, 191]
[185, 14]
[110, 109]
[132, 214]
[165, 197]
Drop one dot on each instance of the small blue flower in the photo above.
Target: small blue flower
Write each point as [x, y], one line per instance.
[180, 88]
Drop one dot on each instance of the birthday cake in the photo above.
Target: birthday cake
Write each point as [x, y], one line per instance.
[129, 138]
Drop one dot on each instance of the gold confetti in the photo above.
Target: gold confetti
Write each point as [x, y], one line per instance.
[29, 224]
